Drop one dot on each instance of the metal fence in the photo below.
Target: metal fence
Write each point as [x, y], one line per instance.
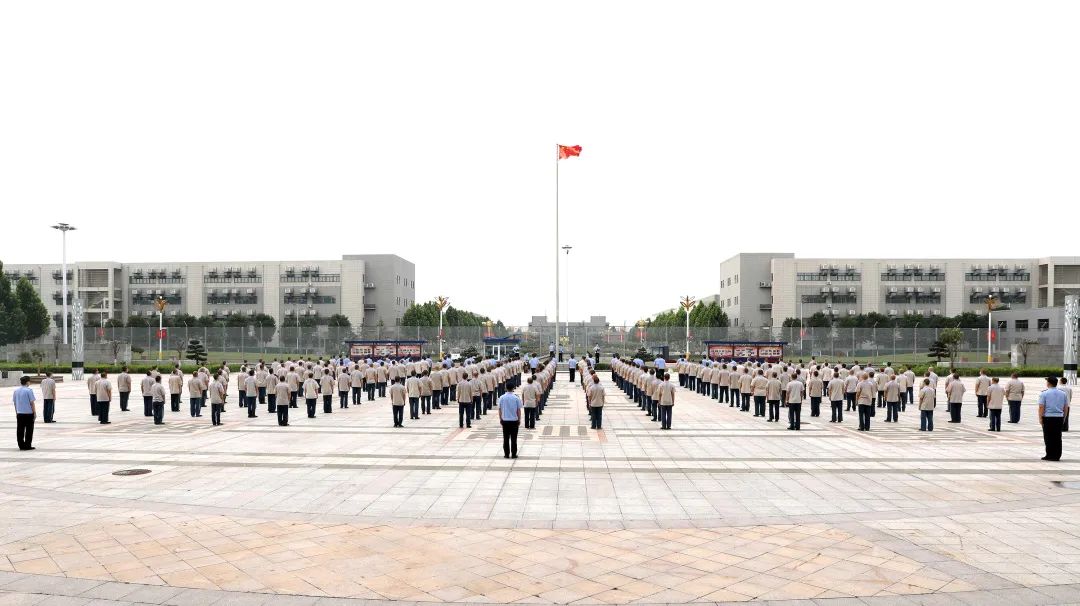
[253, 341]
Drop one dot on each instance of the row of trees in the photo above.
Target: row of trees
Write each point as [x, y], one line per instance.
[965, 320]
[22, 314]
[701, 315]
[427, 314]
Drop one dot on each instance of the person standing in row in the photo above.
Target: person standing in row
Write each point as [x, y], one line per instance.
[123, 387]
[982, 390]
[773, 389]
[836, 398]
[250, 392]
[146, 387]
[311, 394]
[571, 365]
[927, 404]
[91, 386]
[425, 392]
[176, 386]
[530, 397]
[398, 396]
[412, 391]
[1063, 385]
[194, 387]
[995, 400]
[864, 400]
[241, 386]
[103, 388]
[1014, 394]
[217, 399]
[344, 383]
[272, 381]
[1053, 408]
[815, 388]
[326, 388]
[892, 400]
[955, 392]
[282, 393]
[356, 384]
[25, 413]
[595, 398]
[794, 397]
[158, 401]
[666, 392]
[510, 406]
[48, 396]
[261, 377]
[463, 392]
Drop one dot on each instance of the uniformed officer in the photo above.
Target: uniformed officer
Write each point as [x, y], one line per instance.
[146, 387]
[412, 391]
[955, 389]
[864, 399]
[892, 400]
[311, 394]
[217, 398]
[425, 392]
[157, 405]
[815, 388]
[283, 394]
[344, 383]
[261, 378]
[463, 392]
[666, 401]
[250, 392]
[773, 389]
[595, 398]
[836, 398]
[571, 365]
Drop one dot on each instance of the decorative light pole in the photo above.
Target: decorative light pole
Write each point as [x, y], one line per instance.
[1072, 314]
[991, 304]
[160, 303]
[64, 229]
[441, 302]
[687, 304]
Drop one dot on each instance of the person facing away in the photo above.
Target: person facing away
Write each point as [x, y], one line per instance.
[1053, 408]
[510, 406]
[25, 414]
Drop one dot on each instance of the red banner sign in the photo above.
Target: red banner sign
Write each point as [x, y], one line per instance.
[162, 333]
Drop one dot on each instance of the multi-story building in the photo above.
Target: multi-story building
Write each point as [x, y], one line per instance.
[763, 289]
[368, 289]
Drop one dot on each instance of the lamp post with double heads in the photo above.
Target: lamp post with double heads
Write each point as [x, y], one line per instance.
[441, 303]
[64, 229]
[687, 304]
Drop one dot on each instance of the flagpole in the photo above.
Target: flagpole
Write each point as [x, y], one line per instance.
[557, 251]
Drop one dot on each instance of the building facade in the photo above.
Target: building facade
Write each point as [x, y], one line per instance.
[763, 289]
[367, 289]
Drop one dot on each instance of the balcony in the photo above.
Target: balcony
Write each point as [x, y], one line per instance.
[369, 307]
[765, 306]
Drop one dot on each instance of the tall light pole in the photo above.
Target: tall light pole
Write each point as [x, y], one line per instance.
[441, 303]
[687, 304]
[991, 304]
[160, 304]
[64, 229]
[567, 248]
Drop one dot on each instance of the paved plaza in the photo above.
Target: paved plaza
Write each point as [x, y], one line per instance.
[345, 509]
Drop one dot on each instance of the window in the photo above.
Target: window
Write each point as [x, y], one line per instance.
[397, 279]
[1044, 323]
[1002, 325]
[736, 278]
[736, 300]
[398, 301]
[1021, 325]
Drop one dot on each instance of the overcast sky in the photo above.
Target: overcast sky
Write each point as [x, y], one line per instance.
[222, 130]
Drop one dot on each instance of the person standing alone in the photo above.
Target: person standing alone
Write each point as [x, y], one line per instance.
[510, 406]
[25, 413]
[1053, 408]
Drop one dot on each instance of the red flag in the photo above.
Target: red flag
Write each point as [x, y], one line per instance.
[566, 151]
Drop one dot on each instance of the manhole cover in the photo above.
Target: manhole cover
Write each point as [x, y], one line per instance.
[130, 472]
[1072, 485]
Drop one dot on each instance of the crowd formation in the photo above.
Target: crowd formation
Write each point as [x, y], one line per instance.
[475, 386]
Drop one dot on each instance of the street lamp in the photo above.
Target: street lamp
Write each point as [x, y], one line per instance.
[687, 304]
[441, 303]
[991, 304]
[64, 229]
[567, 248]
[160, 303]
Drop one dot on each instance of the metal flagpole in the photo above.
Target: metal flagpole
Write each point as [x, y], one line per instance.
[556, 248]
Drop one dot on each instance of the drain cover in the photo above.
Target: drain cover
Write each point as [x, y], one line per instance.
[130, 472]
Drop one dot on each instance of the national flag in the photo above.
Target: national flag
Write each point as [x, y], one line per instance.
[566, 151]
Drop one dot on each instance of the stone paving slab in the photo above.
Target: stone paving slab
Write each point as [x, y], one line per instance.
[345, 509]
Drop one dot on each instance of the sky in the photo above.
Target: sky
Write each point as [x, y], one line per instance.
[261, 130]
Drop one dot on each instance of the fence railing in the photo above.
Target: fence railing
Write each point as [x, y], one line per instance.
[254, 341]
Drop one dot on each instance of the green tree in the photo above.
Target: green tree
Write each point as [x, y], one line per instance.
[427, 314]
[114, 323]
[338, 320]
[135, 321]
[818, 320]
[938, 350]
[265, 327]
[181, 320]
[37, 317]
[792, 323]
[196, 352]
[951, 338]
[12, 319]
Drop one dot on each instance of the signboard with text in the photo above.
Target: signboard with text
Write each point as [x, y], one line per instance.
[384, 349]
[749, 350]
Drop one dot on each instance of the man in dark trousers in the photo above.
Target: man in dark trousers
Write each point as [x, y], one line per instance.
[25, 414]
[510, 406]
[1053, 408]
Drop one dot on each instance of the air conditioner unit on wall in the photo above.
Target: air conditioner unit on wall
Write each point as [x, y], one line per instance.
[851, 312]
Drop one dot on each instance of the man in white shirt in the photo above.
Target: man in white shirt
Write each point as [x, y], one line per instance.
[48, 395]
